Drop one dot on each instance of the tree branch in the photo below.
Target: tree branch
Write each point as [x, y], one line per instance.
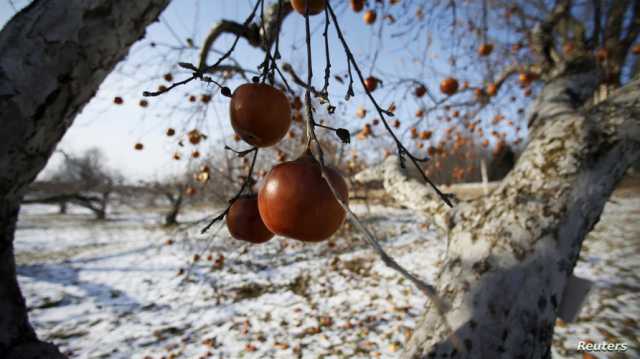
[406, 188]
[634, 28]
[614, 22]
[253, 33]
[542, 40]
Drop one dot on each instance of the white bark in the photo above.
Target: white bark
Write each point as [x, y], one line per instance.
[53, 56]
[510, 253]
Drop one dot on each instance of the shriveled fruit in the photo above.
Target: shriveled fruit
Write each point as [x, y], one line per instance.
[525, 78]
[369, 17]
[485, 49]
[244, 221]
[371, 83]
[194, 137]
[297, 103]
[492, 89]
[260, 114]
[420, 91]
[602, 54]
[170, 132]
[295, 201]
[568, 48]
[315, 6]
[357, 5]
[425, 135]
[449, 86]
[138, 146]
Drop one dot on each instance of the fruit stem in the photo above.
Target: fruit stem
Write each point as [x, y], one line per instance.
[248, 181]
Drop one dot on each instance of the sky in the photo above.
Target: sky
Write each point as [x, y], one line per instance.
[115, 129]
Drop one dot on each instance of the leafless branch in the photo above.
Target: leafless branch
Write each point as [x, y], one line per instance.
[252, 33]
[425, 288]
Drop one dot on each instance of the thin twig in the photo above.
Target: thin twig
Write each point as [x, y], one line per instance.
[198, 72]
[247, 180]
[402, 150]
[327, 69]
[427, 289]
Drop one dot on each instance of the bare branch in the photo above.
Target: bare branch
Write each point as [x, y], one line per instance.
[406, 188]
[614, 22]
[250, 32]
[248, 181]
[286, 67]
[634, 28]
[597, 24]
[542, 37]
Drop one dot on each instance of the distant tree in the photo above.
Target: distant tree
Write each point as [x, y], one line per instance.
[81, 180]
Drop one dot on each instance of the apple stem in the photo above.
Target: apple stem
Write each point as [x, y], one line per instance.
[247, 181]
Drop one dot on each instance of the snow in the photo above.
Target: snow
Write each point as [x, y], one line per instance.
[116, 289]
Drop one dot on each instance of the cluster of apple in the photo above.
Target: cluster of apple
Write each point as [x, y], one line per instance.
[294, 200]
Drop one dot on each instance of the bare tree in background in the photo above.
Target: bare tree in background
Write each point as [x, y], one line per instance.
[82, 180]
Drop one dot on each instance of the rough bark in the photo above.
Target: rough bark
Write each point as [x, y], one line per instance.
[510, 253]
[55, 54]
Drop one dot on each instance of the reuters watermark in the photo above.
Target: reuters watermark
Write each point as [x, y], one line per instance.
[588, 346]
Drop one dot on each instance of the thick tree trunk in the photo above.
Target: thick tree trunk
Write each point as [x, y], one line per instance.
[55, 54]
[510, 254]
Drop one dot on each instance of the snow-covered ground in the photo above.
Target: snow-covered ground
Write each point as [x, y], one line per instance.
[121, 289]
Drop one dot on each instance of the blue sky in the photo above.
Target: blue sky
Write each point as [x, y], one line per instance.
[115, 129]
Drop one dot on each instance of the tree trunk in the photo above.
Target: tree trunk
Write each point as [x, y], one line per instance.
[55, 54]
[101, 214]
[171, 219]
[510, 254]
[63, 207]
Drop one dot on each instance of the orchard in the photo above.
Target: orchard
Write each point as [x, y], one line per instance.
[296, 104]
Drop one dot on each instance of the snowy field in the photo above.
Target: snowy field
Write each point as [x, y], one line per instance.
[128, 288]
